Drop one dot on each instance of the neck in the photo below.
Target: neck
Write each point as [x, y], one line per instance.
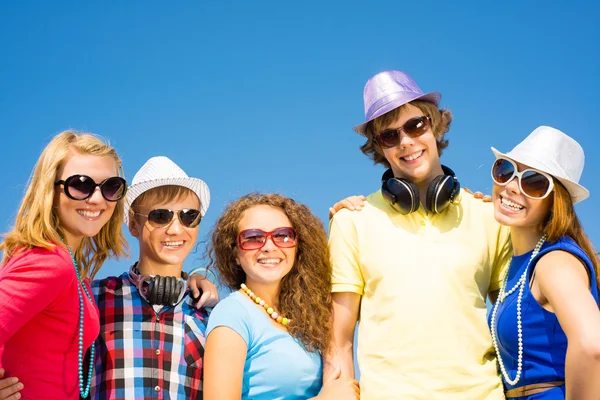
[73, 241]
[269, 292]
[147, 266]
[423, 185]
[524, 239]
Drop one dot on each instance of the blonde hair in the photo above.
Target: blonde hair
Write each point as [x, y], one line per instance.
[37, 224]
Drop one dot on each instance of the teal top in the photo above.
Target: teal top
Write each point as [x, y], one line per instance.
[277, 365]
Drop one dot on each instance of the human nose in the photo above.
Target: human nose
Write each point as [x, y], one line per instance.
[269, 244]
[174, 226]
[96, 196]
[513, 185]
[405, 140]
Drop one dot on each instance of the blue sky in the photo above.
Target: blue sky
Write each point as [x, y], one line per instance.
[261, 96]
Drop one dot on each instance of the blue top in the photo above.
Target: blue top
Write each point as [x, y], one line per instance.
[277, 366]
[544, 341]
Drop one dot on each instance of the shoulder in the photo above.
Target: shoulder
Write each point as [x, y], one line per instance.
[109, 283]
[231, 306]
[54, 262]
[375, 204]
[559, 266]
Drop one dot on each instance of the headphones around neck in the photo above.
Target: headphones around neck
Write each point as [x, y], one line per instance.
[163, 290]
[404, 197]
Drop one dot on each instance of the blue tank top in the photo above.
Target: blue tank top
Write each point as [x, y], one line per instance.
[544, 341]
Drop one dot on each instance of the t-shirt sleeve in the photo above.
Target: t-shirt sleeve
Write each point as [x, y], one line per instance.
[28, 285]
[501, 253]
[230, 313]
[343, 247]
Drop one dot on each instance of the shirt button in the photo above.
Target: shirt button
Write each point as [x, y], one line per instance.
[157, 352]
[157, 388]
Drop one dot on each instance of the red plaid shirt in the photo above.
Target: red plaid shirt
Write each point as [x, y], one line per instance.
[141, 353]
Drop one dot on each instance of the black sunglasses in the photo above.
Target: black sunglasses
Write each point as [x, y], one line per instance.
[81, 187]
[413, 128]
[161, 217]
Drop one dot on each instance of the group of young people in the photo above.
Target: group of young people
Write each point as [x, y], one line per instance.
[414, 267]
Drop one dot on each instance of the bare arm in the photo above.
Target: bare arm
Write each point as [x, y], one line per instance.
[199, 284]
[563, 282]
[224, 360]
[345, 314]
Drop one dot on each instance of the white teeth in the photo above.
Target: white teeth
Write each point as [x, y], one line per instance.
[88, 214]
[511, 204]
[173, 244]
[269, 261]
[413, 156]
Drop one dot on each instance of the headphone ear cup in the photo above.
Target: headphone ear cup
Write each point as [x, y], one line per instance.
[175, 290]
[160, 292]
[439, 193]
[152, 288]
[402, 195]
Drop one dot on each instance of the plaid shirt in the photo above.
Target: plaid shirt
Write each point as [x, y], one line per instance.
[141, 353]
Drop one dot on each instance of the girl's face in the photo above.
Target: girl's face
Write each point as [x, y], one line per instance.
[84, 218]
[269, 264]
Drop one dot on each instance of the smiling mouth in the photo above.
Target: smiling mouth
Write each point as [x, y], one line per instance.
[89, 215]
[511, 205]
[269, 262]
[173, 244]
[412, 156]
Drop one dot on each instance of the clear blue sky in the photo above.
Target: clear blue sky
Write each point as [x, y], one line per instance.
[261, 96]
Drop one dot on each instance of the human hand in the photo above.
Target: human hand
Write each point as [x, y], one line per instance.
[338, 388]
[351, 203]
[9, 387]
[199, 284]
[478, 195]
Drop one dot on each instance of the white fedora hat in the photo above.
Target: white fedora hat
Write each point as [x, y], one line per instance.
[161, 171]
[551, 151]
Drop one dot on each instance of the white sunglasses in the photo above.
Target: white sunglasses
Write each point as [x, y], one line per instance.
[533, 183]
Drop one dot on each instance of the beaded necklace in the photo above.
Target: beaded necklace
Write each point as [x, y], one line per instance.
[279, 318]
[501, 297]
[84, 392]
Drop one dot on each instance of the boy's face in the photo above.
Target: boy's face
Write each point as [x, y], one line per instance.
[415, 159]
[170, 244]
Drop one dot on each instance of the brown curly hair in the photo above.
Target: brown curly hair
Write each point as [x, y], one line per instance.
[306, 290]
[440, 122]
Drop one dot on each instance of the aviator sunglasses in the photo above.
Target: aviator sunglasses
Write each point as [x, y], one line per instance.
[533, 183]
[255, 239]
[82, 187]
[413, 128]
[161, 217]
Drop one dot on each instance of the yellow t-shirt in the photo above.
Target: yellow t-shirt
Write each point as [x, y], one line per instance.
[423, 280]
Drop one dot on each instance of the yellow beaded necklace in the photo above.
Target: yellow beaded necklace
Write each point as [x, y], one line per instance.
[281, 319]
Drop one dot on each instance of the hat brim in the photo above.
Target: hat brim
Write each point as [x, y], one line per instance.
[431, 97]
[198, 186]
[578, 193]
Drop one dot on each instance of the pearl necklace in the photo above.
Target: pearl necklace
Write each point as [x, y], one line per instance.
[501, 297]
[83, 391]
[281, 319]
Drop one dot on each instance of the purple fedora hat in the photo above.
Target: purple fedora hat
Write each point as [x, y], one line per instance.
[389, 90]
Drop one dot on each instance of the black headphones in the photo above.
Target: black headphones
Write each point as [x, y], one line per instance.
[163, 290]
[403, 195]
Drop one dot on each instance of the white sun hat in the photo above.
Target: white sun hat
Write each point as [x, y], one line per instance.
[550, 150]
[161, 171]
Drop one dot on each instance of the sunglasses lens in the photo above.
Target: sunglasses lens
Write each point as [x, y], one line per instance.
[190, 218]
[416, 126]
[502, 171]
[534, 184]
[80, 187]
[388, 138]
[284, 237]
[113, 188]
[160, 217]
[252, 239]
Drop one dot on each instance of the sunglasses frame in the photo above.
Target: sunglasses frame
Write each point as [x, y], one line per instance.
[268, 235]
[377, 139]
[173, 214]
[519, 175]
[66, 183]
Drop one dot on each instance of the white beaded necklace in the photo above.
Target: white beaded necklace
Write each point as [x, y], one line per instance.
[501, 297]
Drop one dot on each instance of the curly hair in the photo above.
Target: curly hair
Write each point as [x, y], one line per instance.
[306, 290]
[440, 121]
